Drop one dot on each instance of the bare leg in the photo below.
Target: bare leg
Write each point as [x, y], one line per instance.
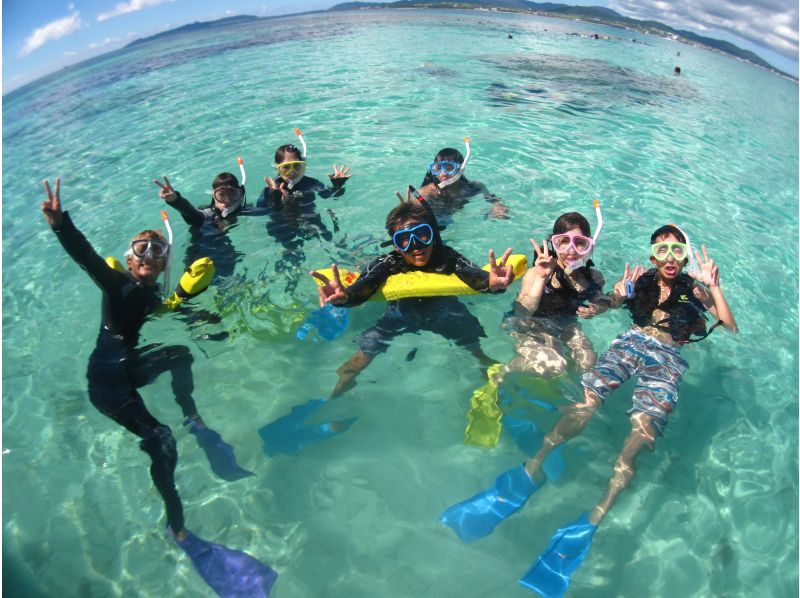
[349, 371]
[642, 435]
[569, 425]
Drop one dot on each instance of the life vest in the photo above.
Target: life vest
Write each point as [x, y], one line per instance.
[565, 299]
[685, 312]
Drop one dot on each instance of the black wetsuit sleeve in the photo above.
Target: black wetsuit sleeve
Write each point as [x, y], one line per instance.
[80, 250]
[267, 196]
[335, 190]
[471, 274]
[191, 215]
[370, 280]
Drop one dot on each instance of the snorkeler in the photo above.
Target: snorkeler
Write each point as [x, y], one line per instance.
[115, 370]
[208, 225]
[667, 306]
[415, 234]
[289, 202]
[562, 286]
[448, 190]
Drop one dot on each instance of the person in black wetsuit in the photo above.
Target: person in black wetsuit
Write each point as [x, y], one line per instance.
[418, 246]
[446, 198]
[116, 367]
[208, 226]
[289, 202]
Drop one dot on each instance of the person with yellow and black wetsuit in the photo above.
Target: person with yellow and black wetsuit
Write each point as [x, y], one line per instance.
[415, 235]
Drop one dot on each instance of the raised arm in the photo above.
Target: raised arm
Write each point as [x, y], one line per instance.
[714, 300]
[535, 279]
[73, 241]
[191, 215]
[338, 178]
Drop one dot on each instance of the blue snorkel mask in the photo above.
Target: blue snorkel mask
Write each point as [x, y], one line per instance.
[416, 237]
[446, 166]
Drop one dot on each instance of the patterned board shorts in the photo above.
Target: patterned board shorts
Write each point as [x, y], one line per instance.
[658, 367]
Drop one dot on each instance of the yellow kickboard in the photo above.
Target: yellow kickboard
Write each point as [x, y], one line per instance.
[424, 284]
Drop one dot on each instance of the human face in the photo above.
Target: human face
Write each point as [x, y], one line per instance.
[571, 246]
[147, 259]
[444, 169]
[669, 268]
[418, 254]
[226, 197]
[292, 167]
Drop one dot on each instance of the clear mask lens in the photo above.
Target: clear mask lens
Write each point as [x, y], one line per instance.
[404, 239]
[291, 170]
[149, 247]
[446, 167]
[662, 251]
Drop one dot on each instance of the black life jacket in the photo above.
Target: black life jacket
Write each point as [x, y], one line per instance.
[565, 300]
[685, 312]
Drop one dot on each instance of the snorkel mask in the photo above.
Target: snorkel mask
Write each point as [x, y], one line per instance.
[460, 171]
[584, 247]
[293, 171]
[691, 266]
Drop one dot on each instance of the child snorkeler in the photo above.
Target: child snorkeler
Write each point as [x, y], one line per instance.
[289, 197]
[415, 234]
[208, 225]
[418, 246]
[117, 368]
[448, 190]
[667, 307]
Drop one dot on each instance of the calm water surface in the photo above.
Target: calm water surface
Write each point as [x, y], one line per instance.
[555, 121]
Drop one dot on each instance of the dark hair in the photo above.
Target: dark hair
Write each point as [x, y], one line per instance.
[448, 154]
[569, 221]
[667, 229]
[406, 211]
[225, 179]
[289, 148]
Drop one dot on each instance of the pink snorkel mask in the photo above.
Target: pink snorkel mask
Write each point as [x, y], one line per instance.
[583, 246]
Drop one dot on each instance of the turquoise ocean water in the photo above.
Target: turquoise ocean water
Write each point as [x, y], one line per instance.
[555, 121]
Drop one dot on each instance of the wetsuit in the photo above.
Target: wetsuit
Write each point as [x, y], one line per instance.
[445, 316]
[116, 368]
[208, 229]
[448, 201]
[295, 219]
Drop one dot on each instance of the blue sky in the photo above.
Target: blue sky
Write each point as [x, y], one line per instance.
[41, 36]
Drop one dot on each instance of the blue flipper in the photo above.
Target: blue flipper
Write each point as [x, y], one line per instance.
[290, 434]
[529, 439]
[219, 453]
[476, 517]
[230, 573]
[330, 321]
[567, 548]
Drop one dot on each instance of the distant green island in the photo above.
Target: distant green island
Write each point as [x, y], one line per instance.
[589, 14]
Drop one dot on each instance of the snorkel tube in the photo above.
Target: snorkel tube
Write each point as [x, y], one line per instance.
[168, 263]
[299, 134]
[580, 262]
[458, 174]
[241, 170]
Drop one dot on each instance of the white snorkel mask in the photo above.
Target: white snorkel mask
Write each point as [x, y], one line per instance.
[461, 170]
[582, 260]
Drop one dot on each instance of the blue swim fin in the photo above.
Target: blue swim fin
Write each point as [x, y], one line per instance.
[476, 517]
[290, 434]
[230, 573]
[330, 321]
[549, 575]
[219, 453]
[528, 438]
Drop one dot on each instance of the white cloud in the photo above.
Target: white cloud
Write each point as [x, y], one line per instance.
[51, 31]
[105, 42]
[125, 7]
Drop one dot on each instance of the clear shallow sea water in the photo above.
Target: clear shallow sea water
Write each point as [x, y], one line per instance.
[555, 121]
